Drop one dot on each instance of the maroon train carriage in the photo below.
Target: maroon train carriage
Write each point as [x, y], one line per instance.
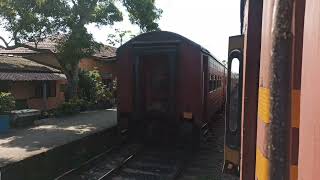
[168, 86]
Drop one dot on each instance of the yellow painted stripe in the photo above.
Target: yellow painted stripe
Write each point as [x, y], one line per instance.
[232, 155]
[295, 108]
[262, 166]
[264, 105]
[294, 172]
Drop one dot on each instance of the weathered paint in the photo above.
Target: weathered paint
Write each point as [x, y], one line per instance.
[265, 113]
[273, 137]
[309, 156]
[295, 108]
[190, 71]
[297, 29]
[251, 66]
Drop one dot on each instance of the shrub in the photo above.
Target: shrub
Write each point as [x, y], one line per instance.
[92, 89]
[68, 108]
[7, 102]
[82, 104]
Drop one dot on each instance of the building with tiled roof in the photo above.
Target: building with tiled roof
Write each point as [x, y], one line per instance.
[103, 60]
[105, 52]
[33, 85]
[18, 63]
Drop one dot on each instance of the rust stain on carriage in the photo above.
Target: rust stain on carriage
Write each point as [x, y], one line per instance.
[295, 108]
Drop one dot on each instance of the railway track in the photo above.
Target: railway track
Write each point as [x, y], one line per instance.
[139, 162]
[131, 161]
[104, 164]
[153, 164]
[207, 163]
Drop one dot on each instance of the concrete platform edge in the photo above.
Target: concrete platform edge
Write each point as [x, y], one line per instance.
[52, 163]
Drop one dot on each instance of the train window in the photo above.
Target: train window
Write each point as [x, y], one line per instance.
[213, 80]
[216, 82]
[211, 83]
[234, 95]
[221, 82]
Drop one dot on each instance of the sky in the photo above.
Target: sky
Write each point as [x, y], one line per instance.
[206, 22]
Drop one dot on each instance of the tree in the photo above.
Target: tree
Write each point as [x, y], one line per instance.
[119, 37]
[36, 20]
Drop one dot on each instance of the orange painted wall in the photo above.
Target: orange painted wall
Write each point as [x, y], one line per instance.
[25, 90]
[89, 64]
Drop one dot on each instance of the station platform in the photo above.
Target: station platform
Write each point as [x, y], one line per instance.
[55, 145]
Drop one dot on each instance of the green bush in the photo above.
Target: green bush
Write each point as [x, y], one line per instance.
[68, 108]
[81, 103]
[92, 89]
[7, 102]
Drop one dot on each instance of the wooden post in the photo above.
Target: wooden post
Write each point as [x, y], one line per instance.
[44, 95]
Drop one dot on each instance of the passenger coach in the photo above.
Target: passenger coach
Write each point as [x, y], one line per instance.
[168, 86]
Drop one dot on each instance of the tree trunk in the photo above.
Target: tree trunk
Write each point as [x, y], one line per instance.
[73, 81]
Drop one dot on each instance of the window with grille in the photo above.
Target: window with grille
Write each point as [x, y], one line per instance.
[51, 89]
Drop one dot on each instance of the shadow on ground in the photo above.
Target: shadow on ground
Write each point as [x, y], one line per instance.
[21, 143]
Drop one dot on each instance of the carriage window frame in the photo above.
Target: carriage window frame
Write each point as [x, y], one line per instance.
[215, 83]
[219, 82]
[210, 84]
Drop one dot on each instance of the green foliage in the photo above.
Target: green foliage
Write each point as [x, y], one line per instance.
[73, 106]
[32, 20]
[37, 20]
[119, 37]
[68, 108]
[75, 46]
[92, 88]
[143, 13]
[7, 102]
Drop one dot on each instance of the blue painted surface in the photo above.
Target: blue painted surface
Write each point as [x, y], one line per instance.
[4, 123]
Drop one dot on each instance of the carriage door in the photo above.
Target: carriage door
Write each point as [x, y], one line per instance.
[157, 94]
[232, 146]
[157, 85]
